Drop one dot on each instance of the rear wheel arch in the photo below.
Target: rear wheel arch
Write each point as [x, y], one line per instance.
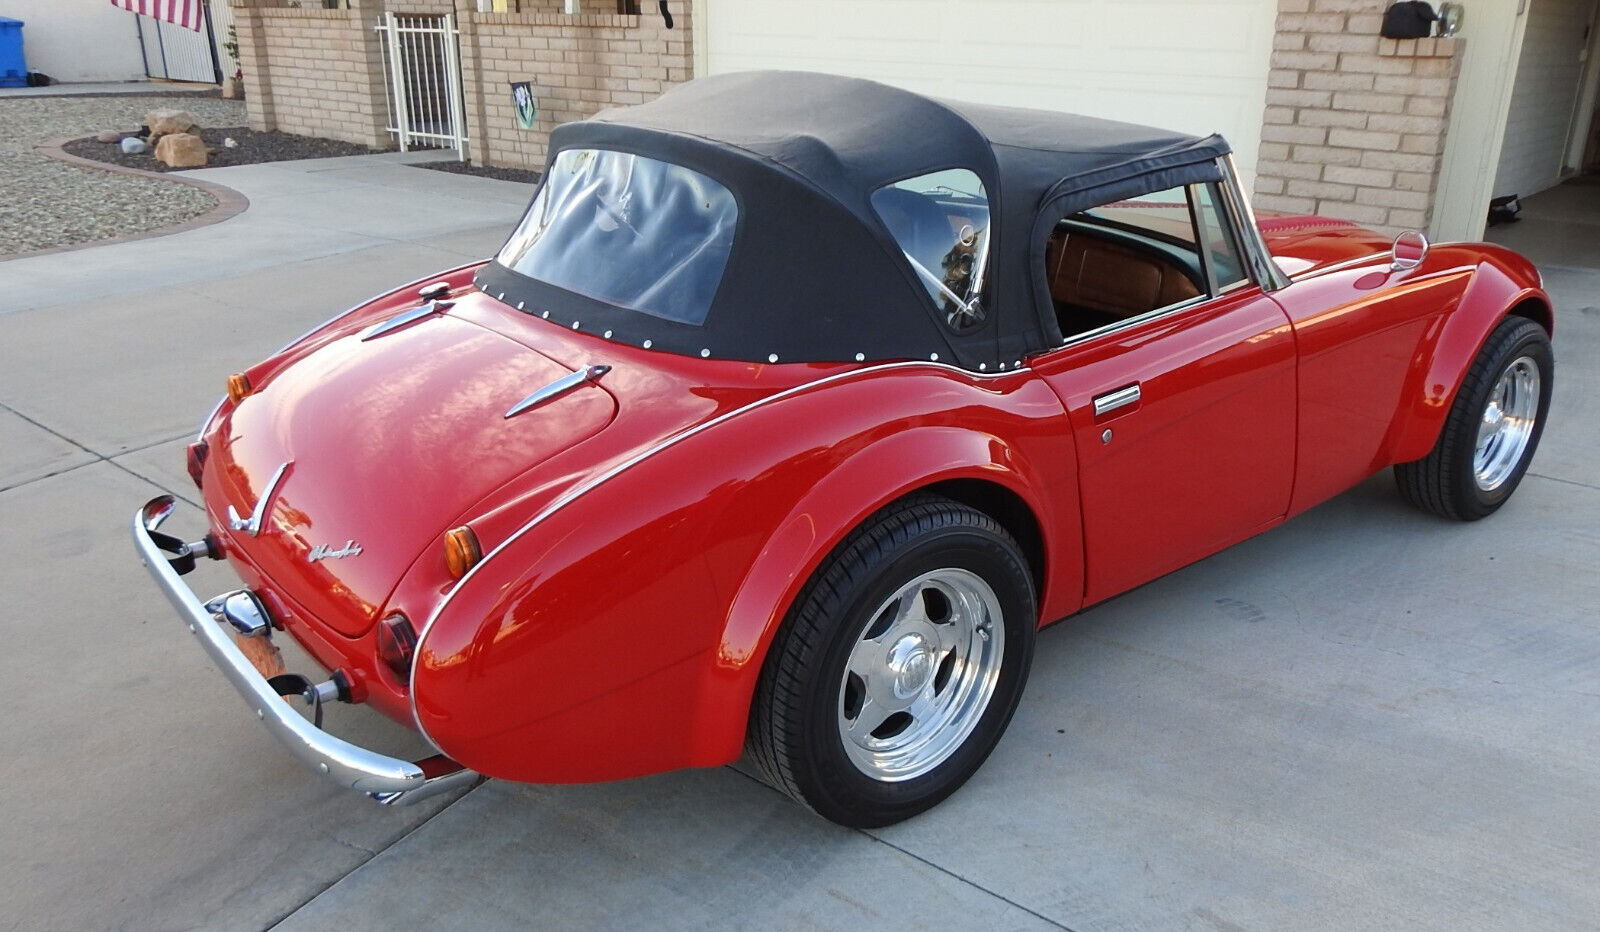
[792, 556]
[1011, 510]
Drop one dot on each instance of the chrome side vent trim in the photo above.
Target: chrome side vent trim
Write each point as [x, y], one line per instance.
[558, 388]
[405, 317]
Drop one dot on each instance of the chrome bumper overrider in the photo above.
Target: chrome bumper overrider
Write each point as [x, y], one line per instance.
[388, 780]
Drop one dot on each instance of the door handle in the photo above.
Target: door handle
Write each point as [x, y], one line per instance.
[1111, 401]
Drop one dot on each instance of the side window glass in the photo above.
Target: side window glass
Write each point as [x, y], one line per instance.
[1136, 256]
[1123, 260]
[1221, 250]
[940, 221]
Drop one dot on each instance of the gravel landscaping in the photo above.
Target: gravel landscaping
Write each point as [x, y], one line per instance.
[48, 203]
[250, 148]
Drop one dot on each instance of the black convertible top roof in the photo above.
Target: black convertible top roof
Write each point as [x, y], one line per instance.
[813, 275]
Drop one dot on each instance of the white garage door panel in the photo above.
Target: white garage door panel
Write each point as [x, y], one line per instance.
[1192, 67]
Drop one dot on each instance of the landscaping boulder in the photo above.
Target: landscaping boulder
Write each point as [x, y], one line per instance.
[163, 122]
[182, 150]
[110, 135]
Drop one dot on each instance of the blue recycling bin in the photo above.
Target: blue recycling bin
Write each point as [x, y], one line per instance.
[13, 68]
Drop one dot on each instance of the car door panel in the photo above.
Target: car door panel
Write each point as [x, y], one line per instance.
[1200, 455]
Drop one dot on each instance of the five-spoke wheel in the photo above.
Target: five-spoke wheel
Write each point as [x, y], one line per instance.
[899, 666]
[1492, 429]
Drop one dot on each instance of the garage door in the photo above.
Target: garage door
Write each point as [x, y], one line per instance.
[1193, 67]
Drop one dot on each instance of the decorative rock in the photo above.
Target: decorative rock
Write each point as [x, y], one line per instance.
[110, 136]
[182, 150]
[228, 142]
[162, 122]
[134, 146]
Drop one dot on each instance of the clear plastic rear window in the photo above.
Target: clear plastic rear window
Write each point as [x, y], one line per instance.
[628, 230]
[941, 222]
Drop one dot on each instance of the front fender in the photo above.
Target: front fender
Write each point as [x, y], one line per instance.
[622, 633]
[1501, 282]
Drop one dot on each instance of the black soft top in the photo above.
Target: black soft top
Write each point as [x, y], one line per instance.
[813, 275]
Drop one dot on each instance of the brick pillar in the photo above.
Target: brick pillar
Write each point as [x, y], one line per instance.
[253, 61]
[473, 91]
[1355, 124]
[368, 78]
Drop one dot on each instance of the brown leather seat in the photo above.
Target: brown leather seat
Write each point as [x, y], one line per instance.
[1097, 281]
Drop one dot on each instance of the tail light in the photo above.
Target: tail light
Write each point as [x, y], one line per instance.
[397, 644]
[195, 459]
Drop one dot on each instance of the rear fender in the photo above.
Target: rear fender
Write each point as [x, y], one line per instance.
[623, 633]
[1503, 282]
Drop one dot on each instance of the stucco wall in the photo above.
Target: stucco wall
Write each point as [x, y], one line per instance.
[73, 40]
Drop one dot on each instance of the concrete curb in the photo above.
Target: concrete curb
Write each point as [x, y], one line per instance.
[229, 203]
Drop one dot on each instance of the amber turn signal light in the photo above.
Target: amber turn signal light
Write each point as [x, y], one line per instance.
[461, 551]
[238, 387]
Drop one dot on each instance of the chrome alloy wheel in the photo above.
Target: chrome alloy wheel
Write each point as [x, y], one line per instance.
[920, 677]
[1507, 425]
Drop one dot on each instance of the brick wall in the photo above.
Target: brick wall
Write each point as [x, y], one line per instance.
[578, 65]
[1355, 124]
[320, 72]
[312, 72]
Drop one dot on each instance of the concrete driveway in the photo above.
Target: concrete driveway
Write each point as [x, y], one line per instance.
[1367, 718]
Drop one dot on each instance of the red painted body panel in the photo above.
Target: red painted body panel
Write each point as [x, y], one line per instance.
[647, 534]
[645, 627]
[1205, 456]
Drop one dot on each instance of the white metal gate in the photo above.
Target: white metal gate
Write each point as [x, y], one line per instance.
[423, 60]
[175, 53]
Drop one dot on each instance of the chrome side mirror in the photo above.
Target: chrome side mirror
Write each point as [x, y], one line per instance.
[1409, 249]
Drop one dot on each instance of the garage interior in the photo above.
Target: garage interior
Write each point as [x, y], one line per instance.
[1550, 152]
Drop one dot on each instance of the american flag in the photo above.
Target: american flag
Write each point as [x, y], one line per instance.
[190, 13]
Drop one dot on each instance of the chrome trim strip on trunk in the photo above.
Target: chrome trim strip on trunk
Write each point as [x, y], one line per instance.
[399, 320]
[386, 778]
[558, 388]
[252, 525]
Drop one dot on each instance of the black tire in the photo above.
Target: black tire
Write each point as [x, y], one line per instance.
[1446, 481]
[898, 557]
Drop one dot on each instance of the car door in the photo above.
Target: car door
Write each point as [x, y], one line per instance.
[1183, 413]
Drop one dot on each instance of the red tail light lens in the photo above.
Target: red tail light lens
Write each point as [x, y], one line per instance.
[397, 645]
[196, 460]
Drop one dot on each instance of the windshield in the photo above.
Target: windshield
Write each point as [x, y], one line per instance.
[627, 230]
[941, 223]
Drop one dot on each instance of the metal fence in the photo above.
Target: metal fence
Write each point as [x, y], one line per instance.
[174, 53]
[422, 58]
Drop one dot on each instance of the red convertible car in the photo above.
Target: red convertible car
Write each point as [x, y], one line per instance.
[792, 409]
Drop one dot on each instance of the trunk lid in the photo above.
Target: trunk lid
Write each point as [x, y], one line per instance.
[387, 442]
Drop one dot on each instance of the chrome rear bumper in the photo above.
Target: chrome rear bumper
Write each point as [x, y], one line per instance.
[388, 780]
